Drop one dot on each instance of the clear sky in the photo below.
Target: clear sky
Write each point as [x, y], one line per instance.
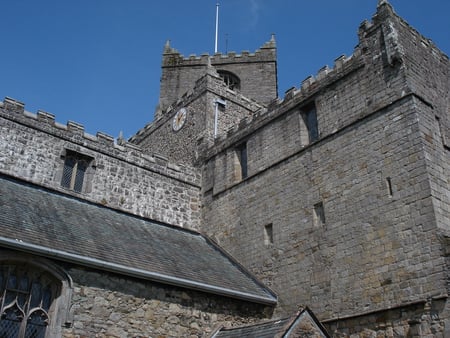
[97, 62]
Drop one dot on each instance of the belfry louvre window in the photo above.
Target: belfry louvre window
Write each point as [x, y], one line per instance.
[26, 298]
[74, 171]
[230, 79]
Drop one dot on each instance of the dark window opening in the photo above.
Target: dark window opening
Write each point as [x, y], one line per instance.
[389, 186]
[268, 234]
[319, 214]
[309, 129]
[242, 158]
[230, 79]
[75, 167]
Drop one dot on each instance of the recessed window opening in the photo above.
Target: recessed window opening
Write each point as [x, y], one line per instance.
[319, 214]
[309, 131]
[242, 160]
[75, 167]
[230, 79]
[268, 234]
[389, 186]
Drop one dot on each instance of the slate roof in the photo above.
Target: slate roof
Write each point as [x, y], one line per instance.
[261, 330]
[52, 224]
[303, 324]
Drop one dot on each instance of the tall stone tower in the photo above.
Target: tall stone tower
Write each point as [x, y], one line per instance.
[254, 75]
[203, 97]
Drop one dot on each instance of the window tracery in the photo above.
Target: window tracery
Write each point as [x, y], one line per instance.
[230, 79]
[29, 294]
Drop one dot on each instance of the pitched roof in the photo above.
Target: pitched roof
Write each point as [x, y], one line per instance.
[52, 224]
[303, 324]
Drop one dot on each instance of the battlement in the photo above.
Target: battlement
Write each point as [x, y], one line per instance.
[173, 58]
[343, 65]
[74, 132]
[311, 85]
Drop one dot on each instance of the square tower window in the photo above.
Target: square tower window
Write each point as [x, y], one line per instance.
[74, 171]
[309, 131]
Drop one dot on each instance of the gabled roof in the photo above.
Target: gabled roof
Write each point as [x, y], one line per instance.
[54, 225]
[303, 324]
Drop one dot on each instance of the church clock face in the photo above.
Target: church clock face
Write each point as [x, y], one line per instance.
[179, 119]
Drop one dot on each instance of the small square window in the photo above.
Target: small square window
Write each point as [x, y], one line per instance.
[268, 234]
[319, 214]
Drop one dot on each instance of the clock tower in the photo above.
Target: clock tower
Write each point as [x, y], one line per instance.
[202, 97]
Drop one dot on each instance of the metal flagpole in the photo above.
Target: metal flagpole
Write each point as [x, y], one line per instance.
[217, 27]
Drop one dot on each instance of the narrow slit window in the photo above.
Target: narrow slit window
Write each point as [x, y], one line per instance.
[242, 159]
[309, 131]
[319, 214]
[389, 186]
[268, 234]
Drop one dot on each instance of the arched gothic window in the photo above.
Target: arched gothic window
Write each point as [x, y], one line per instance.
[230, 79]
[28, 297]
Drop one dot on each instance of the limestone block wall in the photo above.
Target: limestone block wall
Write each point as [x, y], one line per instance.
[122, 176]
[428, 73]
[437, 157]
[353, 228]
[108, 305]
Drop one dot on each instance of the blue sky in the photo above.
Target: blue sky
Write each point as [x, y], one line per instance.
[97, 62]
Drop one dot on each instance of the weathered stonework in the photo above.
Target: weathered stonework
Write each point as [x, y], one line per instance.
[257, 72]
[123, 178]
[337, 197]
[378, 169]
[108, 305]
[198, 132]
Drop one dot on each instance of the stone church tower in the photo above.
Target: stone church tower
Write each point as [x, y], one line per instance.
[254, 75]
[235, 206]
[203, 97]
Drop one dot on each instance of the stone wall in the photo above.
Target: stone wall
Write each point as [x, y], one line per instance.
[371, 251]
[186, 145]
[346, 224]
[417, 319]
[122, 177]
[108, 305]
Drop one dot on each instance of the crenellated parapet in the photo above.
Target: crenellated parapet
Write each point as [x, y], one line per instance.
[295, 96]
[173, 58]
[254, 73]
[343, 65]
[74, 133]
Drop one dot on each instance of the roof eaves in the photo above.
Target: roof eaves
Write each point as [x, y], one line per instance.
[139, 273]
